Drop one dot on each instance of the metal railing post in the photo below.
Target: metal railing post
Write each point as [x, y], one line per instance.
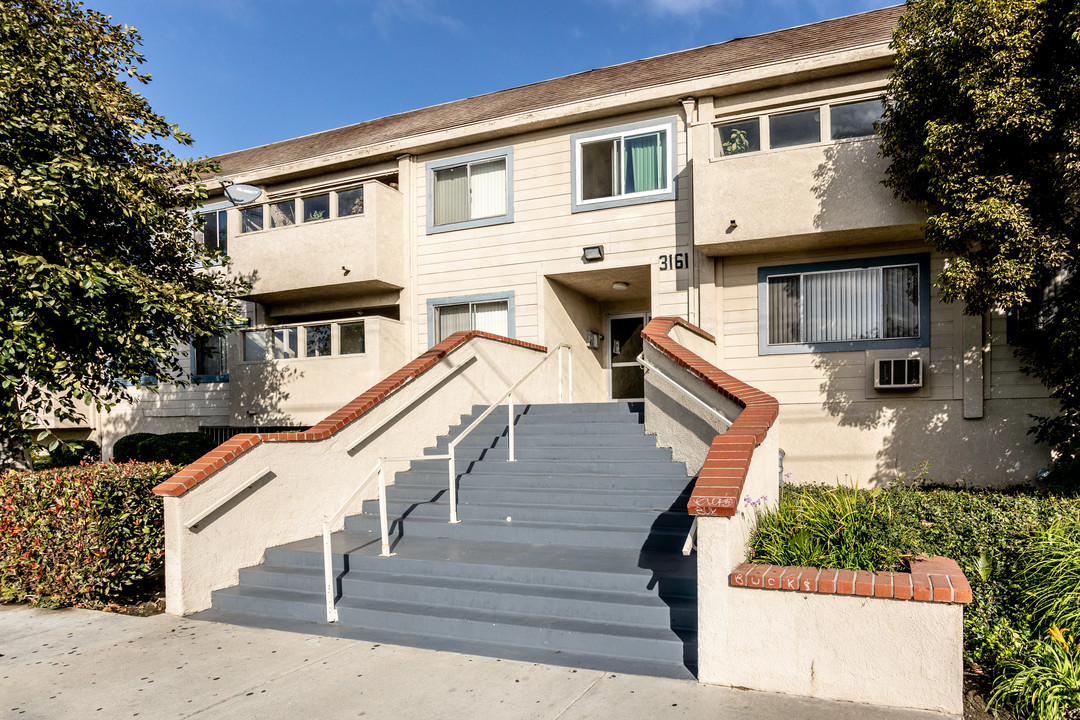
[383, 525]
[510, 414]
[570, 371]
[328, 574]
[560, 376]
[453, 486]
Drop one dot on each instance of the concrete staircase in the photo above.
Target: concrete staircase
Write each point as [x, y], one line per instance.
[570, 555]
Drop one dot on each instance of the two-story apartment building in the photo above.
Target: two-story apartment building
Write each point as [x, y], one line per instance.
[736, 185]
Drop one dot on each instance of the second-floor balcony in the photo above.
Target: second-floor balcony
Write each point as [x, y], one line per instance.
[784, 179]
[327, 245]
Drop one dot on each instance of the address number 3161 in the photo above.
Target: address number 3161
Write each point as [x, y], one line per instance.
[676, 261]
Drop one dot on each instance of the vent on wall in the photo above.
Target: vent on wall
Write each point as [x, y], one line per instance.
[898, 373]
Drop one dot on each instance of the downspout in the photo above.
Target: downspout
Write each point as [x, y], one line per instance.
[693, 290]
[407, 186]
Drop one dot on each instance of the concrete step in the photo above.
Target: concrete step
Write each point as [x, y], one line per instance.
[558, 516]
[594, 661]
[576, 496]
[543, 533]
[599, 568]
[491, 626]
[641, 608]
[567, 480]
[568, 453]
[649, 468]
[526, 439]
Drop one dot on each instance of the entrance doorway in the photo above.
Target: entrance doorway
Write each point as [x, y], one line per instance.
[626, 376]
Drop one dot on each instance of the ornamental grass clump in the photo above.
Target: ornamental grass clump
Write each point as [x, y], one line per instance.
[1045, 682]
[829, 527]
[80, 535]
[1042, 679]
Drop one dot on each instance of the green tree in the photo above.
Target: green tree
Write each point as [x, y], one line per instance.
[982, 125]
[99, 277]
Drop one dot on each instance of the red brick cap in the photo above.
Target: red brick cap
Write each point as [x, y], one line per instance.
[720, 482]
[231, 449]
[932, 579]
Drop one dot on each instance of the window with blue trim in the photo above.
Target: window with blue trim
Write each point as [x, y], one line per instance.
[623, 165]
[215, 231]
[847, 305]
[210, 359]
[487, 312]
[470, 191]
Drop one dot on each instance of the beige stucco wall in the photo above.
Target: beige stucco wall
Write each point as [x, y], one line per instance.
[569, 315]
[359, 254]
[869, 650]
[825, 190]
[837, 427]
[679, 423]
[308, 481]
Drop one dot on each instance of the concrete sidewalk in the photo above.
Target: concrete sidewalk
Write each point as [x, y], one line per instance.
[81, 663]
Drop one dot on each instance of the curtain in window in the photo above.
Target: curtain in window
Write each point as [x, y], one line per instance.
[449, 319]
[645, 166]
[286, 343]
[491, 317]
[784, 309]
[843, 305]
[901, 301]
[451, 195]
[488, 189]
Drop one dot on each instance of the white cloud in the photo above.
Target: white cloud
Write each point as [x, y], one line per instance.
[688, 7]
[423, 11]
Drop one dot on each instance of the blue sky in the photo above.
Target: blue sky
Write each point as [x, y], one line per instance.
[241, 73]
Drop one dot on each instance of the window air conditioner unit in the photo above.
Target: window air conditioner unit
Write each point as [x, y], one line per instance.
[898, 374]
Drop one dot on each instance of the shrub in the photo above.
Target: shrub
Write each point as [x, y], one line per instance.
[181, 448]
[78, 536]
[69, 453]
[985, 531]
[126, 448]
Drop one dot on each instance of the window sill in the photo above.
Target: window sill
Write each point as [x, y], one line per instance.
[770, 151]
[468, 224]
[624, 200]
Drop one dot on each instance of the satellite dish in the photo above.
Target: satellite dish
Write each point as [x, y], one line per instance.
[242, 194]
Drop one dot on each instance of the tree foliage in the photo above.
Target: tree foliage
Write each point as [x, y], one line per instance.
[99, 277]
[982, 125]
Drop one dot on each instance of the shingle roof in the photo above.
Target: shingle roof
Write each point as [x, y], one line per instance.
[830, 35]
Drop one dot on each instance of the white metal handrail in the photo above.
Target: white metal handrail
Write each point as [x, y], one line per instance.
[674, 383]
[328, 555]
[379, 469]
[509, 397]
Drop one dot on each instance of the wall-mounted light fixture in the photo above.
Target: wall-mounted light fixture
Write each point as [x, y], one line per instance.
[593, 253]
[619, 285]
[593, 339]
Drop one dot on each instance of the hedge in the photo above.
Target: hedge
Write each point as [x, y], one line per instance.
[178, 448]
[126, 448]
[80, 535]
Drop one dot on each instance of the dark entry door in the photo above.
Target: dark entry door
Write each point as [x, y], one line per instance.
[624, 346]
